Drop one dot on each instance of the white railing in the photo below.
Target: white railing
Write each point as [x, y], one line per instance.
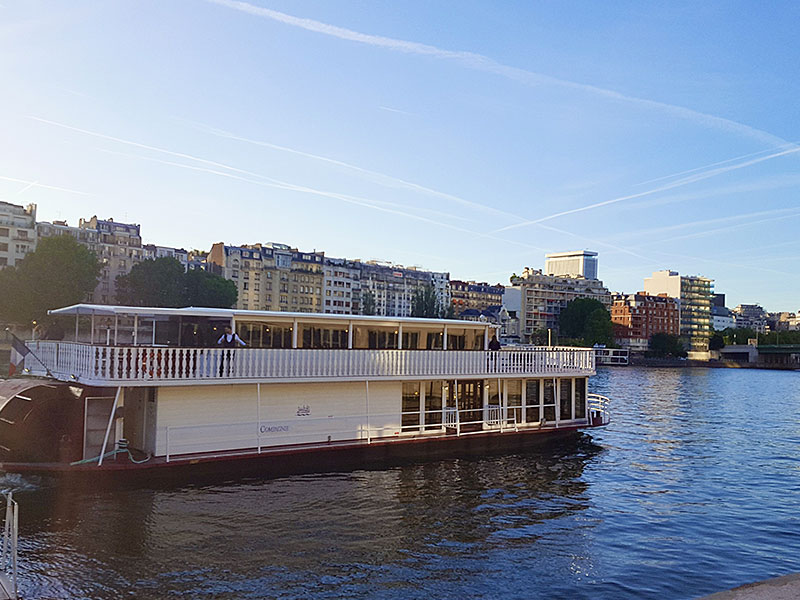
[145, 364]
[599, 413]
[8, 557]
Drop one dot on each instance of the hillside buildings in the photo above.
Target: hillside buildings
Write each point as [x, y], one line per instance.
[637, 317]
[694, 294]
[750, 316]
[17, 232]
[544, 296]
[392, 287]
[580, 263]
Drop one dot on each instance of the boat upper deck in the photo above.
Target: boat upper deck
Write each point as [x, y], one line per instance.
[118, 345]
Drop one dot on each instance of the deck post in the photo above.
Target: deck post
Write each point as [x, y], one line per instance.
[294, 333]
[350, 335]
[258, 416]
[455, 398]
[108, 427]
[135, 330]
[116, 329]
[400, 337]
[444, 339]
[77, 316]
[369, 431]
[91, 335]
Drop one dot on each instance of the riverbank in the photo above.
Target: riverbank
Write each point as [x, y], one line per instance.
[778, 588]
[708, 364]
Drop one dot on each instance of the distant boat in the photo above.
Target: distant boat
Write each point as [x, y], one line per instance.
[151, 391]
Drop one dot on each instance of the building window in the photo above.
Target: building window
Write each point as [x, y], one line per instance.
[3, 231]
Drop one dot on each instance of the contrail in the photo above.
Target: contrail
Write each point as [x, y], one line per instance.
[397, 182]
[480, 62]
[715, 164]
[30, 184]
[679, 183]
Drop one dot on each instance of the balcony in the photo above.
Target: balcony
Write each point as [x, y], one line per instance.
[148, 365]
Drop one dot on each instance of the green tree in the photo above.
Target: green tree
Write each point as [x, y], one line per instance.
[425, 304]
[599, 329]
[158, 282]
[664, 344]
[367, 303]
[202, 288]
[586, 320]
[58, 273]
[716, 341]
[738, 336]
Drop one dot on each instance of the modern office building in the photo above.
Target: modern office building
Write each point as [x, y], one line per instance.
[580, 263]
[695, 295]
[544, 296]
[17, 232]
[637, 317]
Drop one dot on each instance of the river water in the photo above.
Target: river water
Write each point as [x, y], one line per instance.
[694, 488]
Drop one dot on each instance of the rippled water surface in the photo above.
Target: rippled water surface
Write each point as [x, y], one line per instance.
[693, 488]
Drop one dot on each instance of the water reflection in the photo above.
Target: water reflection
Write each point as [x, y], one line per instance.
[690, 490]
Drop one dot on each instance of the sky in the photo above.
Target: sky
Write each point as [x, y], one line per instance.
[467, 137]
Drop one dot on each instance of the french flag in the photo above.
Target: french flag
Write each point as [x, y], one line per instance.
[18, 353]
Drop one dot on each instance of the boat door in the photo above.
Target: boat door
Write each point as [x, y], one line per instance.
[470, 403]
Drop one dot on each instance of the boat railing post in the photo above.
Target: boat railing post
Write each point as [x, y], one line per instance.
[369, 431]
[108, 427]
[168, 429]
[458, 413]
[14, 533]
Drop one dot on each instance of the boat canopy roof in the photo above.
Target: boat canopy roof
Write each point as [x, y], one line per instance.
[109, 310]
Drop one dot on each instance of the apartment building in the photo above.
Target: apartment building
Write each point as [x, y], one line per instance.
[153, 252]
[271, 276]
[393, 287]
[543, 297]
[118, 247]
[17, 232]
[639, 316]
[695, 295]
[342, 287]
[750, 316]
[471, 295]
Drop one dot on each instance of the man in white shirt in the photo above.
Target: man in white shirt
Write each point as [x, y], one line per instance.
[231, 340]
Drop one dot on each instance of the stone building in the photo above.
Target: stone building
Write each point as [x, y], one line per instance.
[17, 232]
[393, 286]
[471, 295]
[271, 276]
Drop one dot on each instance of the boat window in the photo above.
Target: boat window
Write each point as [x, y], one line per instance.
[456, 342]
[549, 400]
[580, 398]
[565, 397]
[410, 340]
[433, 404]
[382, 339]
[435, 341]
[494, 394]
[411, 406]
[533, 400]
[514, 388]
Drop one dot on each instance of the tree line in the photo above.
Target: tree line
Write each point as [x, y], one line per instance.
[62, 272]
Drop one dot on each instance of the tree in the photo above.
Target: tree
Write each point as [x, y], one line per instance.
[368, 303]
[202, 288]
[738, 336]
[599, 329]
[156, 282]
[716, 342]
[58, 273]
[163, 282]
[425, 303]
[587, 321]
[664, 344]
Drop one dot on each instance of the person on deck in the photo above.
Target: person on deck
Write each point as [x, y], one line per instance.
[494, 344]
[230, 340]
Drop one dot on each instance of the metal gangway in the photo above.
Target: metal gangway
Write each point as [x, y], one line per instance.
[8, 557]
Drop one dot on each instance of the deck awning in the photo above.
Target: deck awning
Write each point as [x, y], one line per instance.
[141, 311]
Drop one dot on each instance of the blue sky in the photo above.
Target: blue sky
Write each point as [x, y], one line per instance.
[469, 137]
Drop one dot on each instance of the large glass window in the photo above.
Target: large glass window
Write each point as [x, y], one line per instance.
[565, 399]
[380, 340]
[549, 400]
[533, 400]
[514, 387]
[435, 341]
[433, 404]
[411, 406]
[580, 398]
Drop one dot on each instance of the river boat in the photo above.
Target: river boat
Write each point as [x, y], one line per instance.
[150, 391]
